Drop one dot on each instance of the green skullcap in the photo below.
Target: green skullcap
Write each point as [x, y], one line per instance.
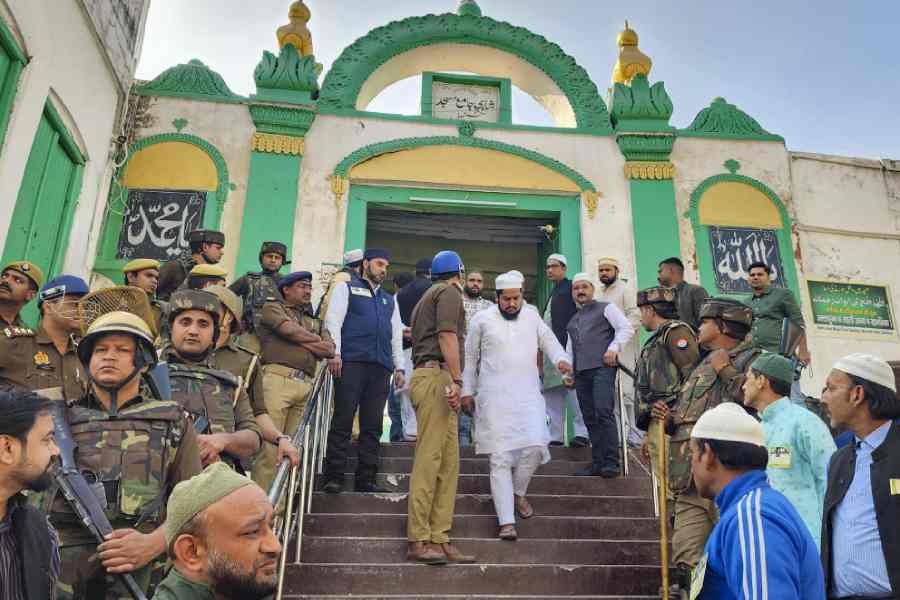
[774, 366]
[191, 497]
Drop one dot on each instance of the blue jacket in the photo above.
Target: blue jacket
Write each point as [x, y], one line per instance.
[760, 548]
[366, 333]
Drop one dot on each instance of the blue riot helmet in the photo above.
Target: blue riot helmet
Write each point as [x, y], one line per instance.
[447, 261]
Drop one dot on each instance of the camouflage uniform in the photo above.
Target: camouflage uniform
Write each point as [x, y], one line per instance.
[704, 389]
[255, 289]
[29, 359]
[665, 362]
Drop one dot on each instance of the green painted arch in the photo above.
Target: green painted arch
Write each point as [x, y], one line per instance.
[107, 263]
[701, 231]
[343, 83]
[371, 151]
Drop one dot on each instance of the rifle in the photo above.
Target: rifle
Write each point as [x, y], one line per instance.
[79, 494]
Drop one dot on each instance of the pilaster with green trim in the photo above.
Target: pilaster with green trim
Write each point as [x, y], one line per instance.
[12, 61]
[640, 113]
[277, 150]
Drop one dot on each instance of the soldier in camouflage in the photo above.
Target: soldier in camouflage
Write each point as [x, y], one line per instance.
[666, 360]
[216, 399]
[133, 448]
[257, 288]
[724, 325]
[206, 248]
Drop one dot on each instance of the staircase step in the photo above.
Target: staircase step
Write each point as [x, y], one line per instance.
[540, 484]
[482, 504]
[408, 450]
[473, 466]
[482, 526]
[485, 579]
[392, 551]
[457, 597]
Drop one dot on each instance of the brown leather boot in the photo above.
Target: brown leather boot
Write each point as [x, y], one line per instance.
[425, 552]
[455, 556]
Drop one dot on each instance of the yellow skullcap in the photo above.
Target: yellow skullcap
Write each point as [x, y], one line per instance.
[205, 270]
[28, 269]
[139, 264]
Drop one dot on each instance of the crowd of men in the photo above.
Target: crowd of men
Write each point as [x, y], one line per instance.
[179, 457]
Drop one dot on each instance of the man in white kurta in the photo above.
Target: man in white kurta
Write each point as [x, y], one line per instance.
[501, 379]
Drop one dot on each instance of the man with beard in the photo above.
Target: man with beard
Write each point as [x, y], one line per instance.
[45, 359]
[501, 379]
[688, 297]
[19, 284]
[29, 550]
[206, 248]
[220, 539]
[257, 288]
[364, 321]
[473, 303]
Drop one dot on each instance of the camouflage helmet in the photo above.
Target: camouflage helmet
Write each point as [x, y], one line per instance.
[276, 248]
[656, 295]
[727, 310]
[185, 300]
[209, 236]
[120, 322]
[232, 302]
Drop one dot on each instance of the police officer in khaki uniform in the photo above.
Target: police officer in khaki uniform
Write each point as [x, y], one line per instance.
[204, 276]
[293, 342]
[718, 378]
[216, 399]
[438, 336]
[45, 359]
[144, 273]
[206, 247]
[667, 359]
[231, 356]
[134, 449]
[19, 284]
[257, 288]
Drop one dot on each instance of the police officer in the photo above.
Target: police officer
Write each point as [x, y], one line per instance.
[255, 289]
[206, 247]
[364, 322]
[665, 362]
[144, 273]
[231, 356]
[216, 399]
[19, 284]
[134, 448]
[45, 359]
[293, 342]
[204, 276]
[718, 378]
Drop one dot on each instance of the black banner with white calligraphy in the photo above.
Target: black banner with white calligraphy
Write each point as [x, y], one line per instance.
[734, 249]
[156, 223]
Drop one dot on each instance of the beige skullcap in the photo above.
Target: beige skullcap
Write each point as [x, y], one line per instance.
[729, 422]
[608, 260]
[560, 258]
[582, 277]
[868, 367]
[191, 497]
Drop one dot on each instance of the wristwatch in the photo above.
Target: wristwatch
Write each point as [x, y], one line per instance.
[282, 437]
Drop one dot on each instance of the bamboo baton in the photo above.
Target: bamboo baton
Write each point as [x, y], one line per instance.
[663, 505]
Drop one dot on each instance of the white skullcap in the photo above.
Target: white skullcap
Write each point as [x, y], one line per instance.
[508, 281]
[582, 277]
[729, 422]
[868, 367]
[354, 256]
[560, 258]
[518, 275]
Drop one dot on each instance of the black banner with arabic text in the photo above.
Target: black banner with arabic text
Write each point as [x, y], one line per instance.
[734, 249]
[157, 222]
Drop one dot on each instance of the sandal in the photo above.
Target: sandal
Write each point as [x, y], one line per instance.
[508, 533]
[524, 508]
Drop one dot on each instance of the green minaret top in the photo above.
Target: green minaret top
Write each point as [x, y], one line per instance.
[468, 8]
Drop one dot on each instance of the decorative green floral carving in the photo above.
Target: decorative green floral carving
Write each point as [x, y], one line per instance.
[288, 72]
[723, 120]
[281, 120]
[468, 8]
[179, 124]
[467, 129]
[732, 165]
[192, 80]
[635, 146]
[358, 61]
[641, 106]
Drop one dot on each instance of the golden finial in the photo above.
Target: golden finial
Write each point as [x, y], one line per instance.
[631, 60]
[296, 32]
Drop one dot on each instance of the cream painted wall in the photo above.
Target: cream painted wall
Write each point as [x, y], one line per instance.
[67, 63]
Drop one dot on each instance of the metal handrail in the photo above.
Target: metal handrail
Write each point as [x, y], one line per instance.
[312, 435]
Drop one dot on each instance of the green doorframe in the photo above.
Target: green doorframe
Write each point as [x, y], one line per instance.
[701, 235]
[566, 208]
[12, 62]
[655, 223]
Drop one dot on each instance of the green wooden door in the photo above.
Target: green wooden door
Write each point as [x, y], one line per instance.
[39, 230]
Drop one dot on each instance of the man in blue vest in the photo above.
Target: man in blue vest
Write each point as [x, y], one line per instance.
[365, 323]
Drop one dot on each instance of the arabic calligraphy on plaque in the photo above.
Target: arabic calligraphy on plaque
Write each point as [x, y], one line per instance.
[734, 249]
[156, 223]
[462, 102]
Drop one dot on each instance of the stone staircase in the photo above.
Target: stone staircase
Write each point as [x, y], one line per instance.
[590, 538]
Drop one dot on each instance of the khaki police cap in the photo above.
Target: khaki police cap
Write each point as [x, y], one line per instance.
[232, 302]
[140, 264]
[205, 270]
[656, 295]
[28, 269]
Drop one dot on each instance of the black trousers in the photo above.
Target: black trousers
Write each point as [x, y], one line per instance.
[363, 386]
[596, 389]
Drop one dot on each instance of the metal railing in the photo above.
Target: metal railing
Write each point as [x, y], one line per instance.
[311, 438]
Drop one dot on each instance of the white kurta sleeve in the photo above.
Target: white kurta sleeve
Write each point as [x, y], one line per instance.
[632, 312]
[624, 330]
[473, 356]
[337, 311]
[549, 345]
[397, 336]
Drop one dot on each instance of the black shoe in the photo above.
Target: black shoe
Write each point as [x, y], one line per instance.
[369, 487]
[590, 471]
[580, 442]
[609, 473]
[333, 486]
[555, 443]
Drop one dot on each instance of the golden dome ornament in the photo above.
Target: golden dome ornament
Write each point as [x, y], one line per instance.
[631, 60]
